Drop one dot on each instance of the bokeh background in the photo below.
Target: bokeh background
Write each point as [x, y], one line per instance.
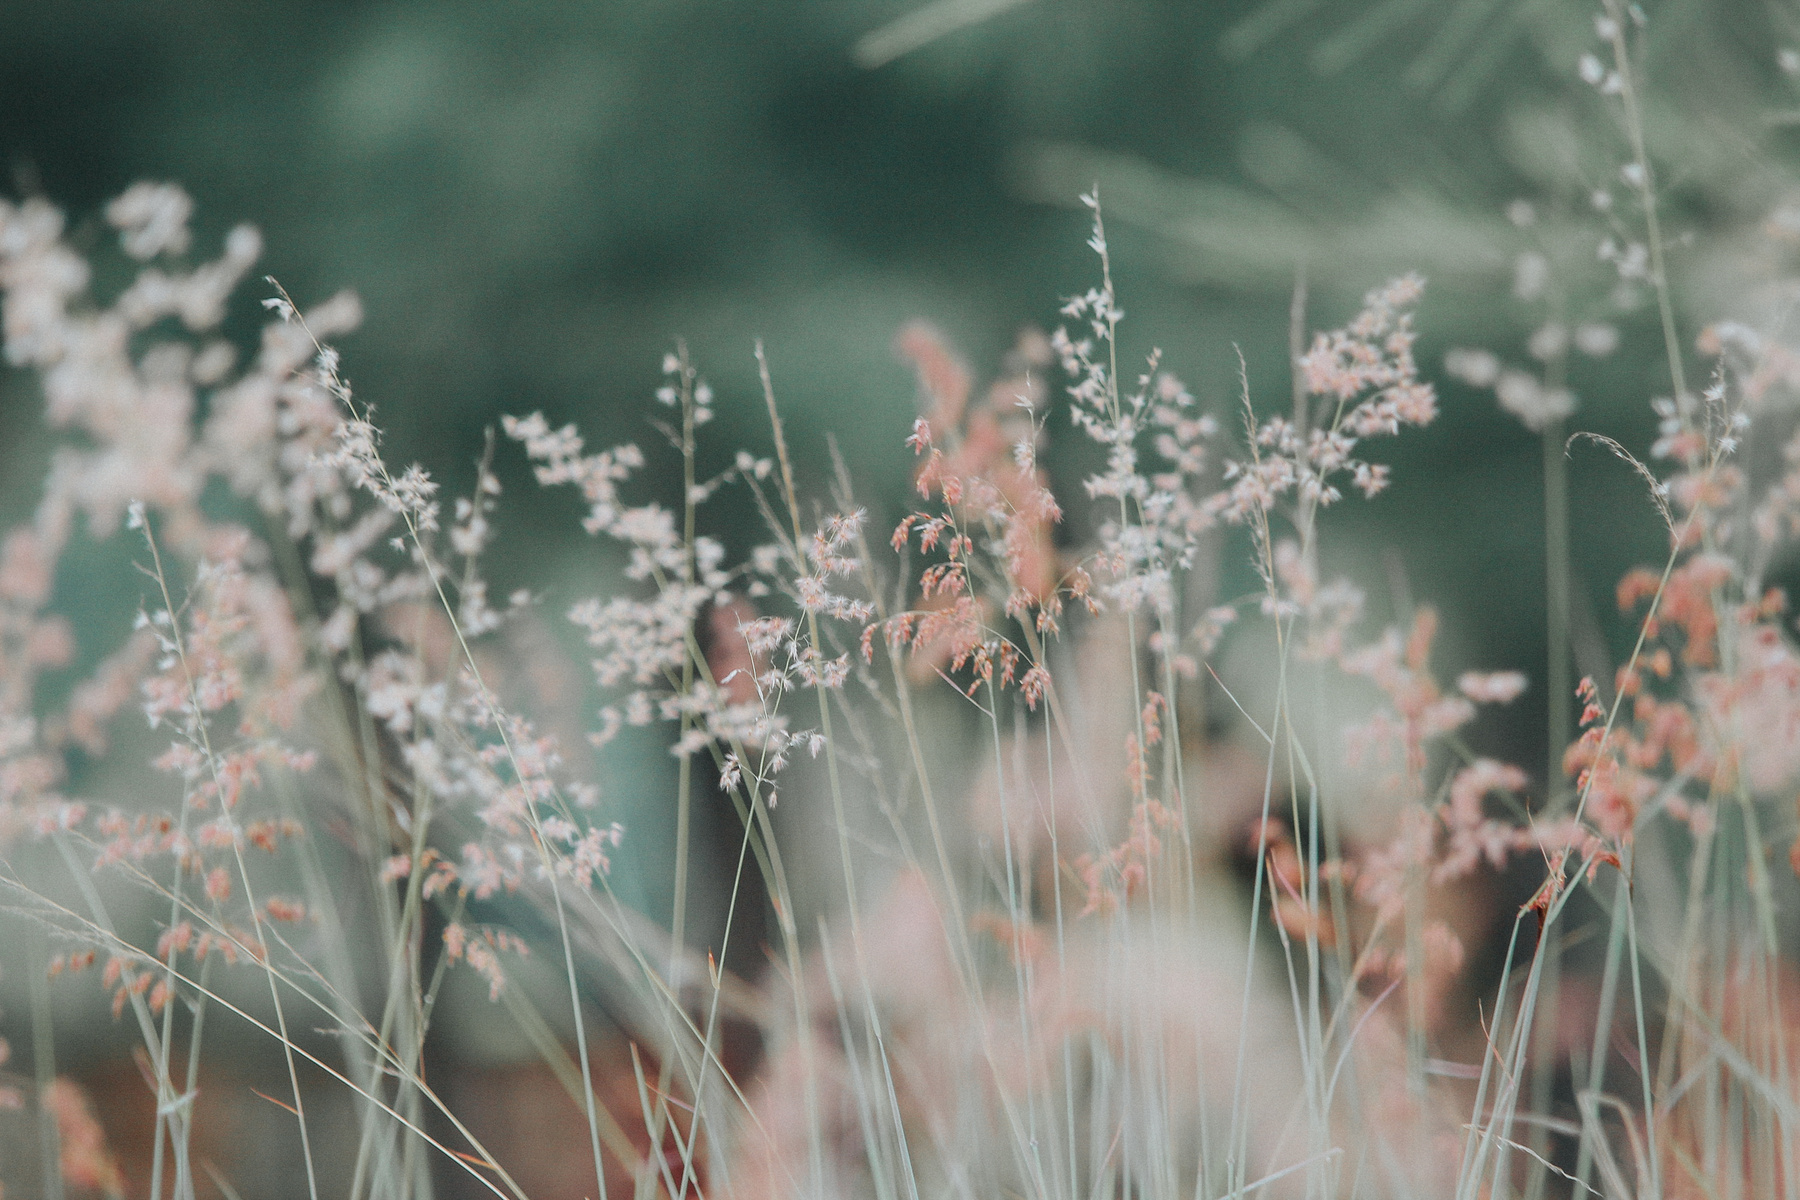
[537, 199]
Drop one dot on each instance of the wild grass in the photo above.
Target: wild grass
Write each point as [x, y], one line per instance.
[992, 783]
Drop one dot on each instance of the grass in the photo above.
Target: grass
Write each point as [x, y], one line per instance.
[1000, 796]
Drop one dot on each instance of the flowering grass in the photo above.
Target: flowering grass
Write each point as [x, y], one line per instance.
[988, 782]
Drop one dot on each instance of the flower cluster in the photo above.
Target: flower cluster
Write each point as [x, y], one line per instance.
[1366, 374]
[1159, 510]
[692, 650]
[992, 526]
[230, 656]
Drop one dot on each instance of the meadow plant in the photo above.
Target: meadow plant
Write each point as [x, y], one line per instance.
[991, 780]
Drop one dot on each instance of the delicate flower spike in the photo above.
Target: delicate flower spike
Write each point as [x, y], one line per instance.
[1367, 372]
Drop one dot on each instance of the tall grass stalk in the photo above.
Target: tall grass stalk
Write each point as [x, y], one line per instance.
[1029, 970]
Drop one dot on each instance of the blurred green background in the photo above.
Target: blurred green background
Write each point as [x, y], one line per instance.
[536, 199]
